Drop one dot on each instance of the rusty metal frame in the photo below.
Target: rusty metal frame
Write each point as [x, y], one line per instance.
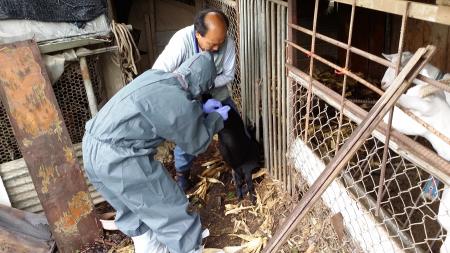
[356, 139]
[348, 73]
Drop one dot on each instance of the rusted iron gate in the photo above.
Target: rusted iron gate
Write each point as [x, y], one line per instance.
[46, 146]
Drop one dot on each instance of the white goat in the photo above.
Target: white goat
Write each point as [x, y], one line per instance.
[433, 108]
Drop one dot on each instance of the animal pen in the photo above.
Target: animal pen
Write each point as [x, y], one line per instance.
[307, 104]
[307, 76]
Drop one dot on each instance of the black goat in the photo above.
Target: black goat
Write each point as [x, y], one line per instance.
[241, 152]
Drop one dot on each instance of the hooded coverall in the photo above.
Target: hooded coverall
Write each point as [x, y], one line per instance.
[120, 143]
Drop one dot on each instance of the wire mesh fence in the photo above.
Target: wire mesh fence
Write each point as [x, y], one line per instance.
[72, 100]
[406, 221]
[230, 10]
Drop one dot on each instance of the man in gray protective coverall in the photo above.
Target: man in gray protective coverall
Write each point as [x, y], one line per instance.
[121, 140]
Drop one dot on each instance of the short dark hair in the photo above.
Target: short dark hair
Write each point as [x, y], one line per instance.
[199, 22]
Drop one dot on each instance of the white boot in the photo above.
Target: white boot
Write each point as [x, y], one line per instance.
[147, 243]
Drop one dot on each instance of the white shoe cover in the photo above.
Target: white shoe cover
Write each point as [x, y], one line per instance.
[147, 243]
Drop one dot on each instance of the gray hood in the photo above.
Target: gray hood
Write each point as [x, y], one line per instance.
[197, 74]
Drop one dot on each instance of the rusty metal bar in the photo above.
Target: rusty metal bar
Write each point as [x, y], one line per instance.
[272, 90]
[88, 86]
[43, 139]
[279, 43]
[283, 96]
[311, 69]
[269, 85]
[355, 140]
[336, 67]
[291, 58]
[344, 86]
[366, 55]
[374, 88]
[391, 113]
[342, 45]
[242, 55]
[251, 64]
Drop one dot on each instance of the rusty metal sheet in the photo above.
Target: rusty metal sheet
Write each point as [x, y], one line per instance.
[39, 128]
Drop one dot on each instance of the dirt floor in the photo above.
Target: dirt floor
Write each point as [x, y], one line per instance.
[242, 225]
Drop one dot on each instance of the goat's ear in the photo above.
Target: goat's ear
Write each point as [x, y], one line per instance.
[389, 57]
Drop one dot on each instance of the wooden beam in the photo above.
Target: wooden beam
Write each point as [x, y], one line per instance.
[428, 12]
[354, 142]
[39, 128]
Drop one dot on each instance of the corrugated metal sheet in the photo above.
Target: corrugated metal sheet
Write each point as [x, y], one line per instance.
[20, 188]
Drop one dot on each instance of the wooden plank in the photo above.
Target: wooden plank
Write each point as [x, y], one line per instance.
[427, 12]
[436, 35]
[43, 139]
[413, 36]
[354, 142]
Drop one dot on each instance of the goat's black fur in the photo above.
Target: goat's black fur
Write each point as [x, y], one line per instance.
[241, 152]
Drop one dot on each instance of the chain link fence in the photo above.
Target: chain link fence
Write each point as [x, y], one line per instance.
[71, 96]
[230, 10]
[406, 221]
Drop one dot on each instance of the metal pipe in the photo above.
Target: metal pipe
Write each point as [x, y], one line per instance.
[88, 86]
[251, 70]
[272, 90]
[391, 113]
[287, 175]
[336, 67]
[243, 41]
[278, 114]
[344, 86]
[265, 84]
[269, 84]
[311, 69]
[255, 65]
[259, 77]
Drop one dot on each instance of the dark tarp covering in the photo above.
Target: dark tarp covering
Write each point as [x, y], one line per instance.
[52, 10]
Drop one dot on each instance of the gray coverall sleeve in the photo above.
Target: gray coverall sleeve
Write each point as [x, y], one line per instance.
[189, 127]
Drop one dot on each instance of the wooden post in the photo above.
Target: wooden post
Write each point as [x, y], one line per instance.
[27, 95]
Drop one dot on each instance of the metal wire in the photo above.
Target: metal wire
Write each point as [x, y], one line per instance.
[410, 221]
[230, 10]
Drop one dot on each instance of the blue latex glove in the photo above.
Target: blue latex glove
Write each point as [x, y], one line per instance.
[211, 105]
[223, 111]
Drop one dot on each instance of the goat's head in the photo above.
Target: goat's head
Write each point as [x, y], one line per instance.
[389, 75]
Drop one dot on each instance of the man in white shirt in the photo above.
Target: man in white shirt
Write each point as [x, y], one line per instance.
[209, 33]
